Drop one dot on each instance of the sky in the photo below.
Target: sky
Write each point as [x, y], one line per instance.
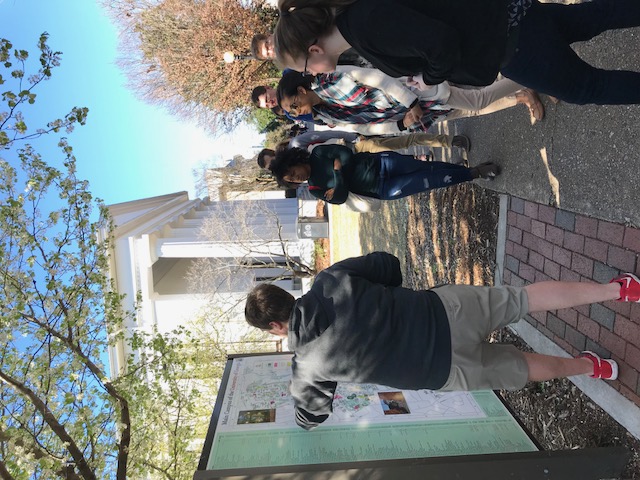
[128, 149]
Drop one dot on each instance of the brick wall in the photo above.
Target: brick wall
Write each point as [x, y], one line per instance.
[547, 243]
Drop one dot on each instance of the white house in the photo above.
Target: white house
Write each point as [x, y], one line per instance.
[156, 240]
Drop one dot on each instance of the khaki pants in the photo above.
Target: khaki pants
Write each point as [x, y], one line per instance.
[473, 102]
[473, 313]
[385, 144]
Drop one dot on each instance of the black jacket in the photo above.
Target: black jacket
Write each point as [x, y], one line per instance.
[461, 41]
[357, 324]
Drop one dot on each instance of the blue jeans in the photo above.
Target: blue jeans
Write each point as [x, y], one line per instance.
[403, 175]
[545, 61]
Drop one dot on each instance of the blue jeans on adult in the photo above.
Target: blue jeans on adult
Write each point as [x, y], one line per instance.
[403, 175]
[545, 61]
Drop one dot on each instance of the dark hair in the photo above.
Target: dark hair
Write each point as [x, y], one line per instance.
[256, 92]
[287, 158]
[255, 44]
[289, 83]
[263, 153]
[268, 303]
[301, 22]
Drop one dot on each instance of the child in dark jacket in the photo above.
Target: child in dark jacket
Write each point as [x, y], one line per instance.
[333, 171]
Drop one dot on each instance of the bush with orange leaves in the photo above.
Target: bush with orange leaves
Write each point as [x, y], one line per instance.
[172, 52]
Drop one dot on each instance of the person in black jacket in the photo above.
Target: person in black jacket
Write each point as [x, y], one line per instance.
[463, 41]
[357, 324]
[333, 171]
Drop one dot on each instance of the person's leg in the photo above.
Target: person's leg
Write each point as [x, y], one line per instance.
[474, 312]
[547, 367]
[544, 296]
[552, 295]
[526, 97]
[580, 22]
[478, 98]
[492, 366]
[546, 62]
[399, 142]
[402, 175]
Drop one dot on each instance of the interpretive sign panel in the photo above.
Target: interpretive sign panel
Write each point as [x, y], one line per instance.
[253, 424]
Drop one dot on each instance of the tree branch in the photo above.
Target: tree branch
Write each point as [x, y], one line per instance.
[125, 416]
[38, 454]
[4, 472]
[53, 423]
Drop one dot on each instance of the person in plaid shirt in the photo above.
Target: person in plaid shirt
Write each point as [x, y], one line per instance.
[370, 102]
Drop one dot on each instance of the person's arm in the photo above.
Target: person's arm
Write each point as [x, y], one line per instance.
[330, 195]
[328, 155]
[313, 399]
[373, 77]
[434, 93]
[377, 267]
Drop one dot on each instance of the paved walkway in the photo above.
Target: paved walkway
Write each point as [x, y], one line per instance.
[544, 243]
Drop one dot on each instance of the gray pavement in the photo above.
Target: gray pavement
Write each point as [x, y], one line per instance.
[592, 152]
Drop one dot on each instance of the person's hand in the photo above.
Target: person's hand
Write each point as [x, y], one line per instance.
[329, 193]
[336, 164]
[417, 82]
[412, 116]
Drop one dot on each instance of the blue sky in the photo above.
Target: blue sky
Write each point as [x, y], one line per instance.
[128, 149]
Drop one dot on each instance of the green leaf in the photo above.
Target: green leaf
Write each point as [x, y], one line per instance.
[20, 127]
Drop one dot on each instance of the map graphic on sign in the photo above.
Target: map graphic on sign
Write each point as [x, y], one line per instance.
[256, 425]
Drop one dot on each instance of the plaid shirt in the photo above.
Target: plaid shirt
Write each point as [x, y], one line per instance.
[348, 101]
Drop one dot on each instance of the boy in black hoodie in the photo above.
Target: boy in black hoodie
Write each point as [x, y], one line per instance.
[357, 324]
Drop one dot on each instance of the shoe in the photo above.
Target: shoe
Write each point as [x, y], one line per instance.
[606, 369]
[462, 142]
[629, 287]
[531, 99]
[486, 170]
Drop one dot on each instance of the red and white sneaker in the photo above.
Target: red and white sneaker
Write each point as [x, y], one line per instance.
[605, 369]
[629, 287]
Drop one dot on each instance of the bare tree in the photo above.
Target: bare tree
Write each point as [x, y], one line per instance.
[172, 52]
[240, 177]
[255, 245]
